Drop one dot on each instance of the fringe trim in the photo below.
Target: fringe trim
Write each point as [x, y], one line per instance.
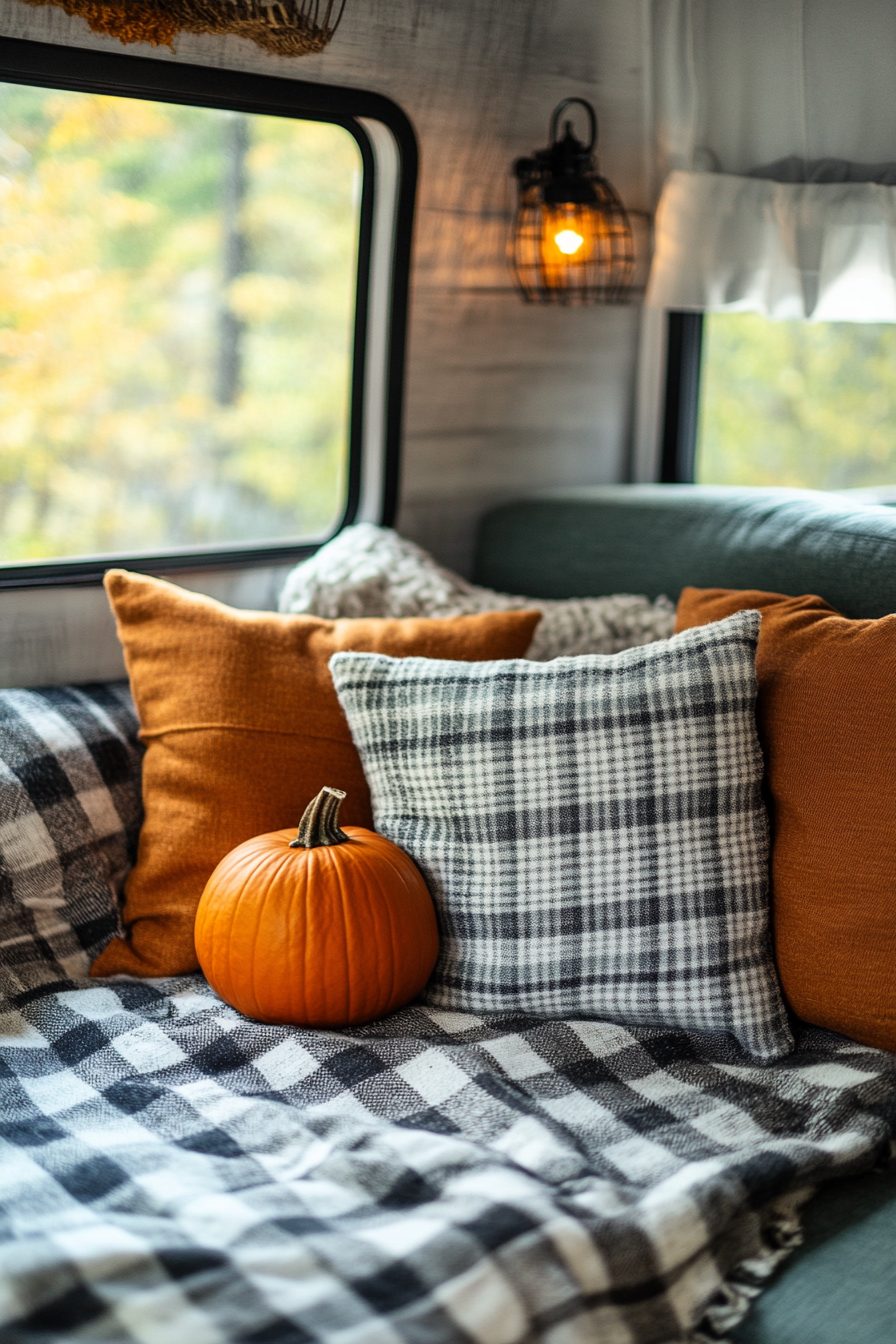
[282, 27]
[782, 1233]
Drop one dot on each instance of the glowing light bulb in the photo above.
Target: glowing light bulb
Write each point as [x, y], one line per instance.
[568, 242]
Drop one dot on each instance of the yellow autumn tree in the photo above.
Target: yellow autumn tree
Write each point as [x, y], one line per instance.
[113, 292]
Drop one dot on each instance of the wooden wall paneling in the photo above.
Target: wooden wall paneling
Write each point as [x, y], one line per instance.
[502, 397]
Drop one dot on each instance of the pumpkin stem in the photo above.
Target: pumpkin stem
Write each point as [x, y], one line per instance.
[320, 821]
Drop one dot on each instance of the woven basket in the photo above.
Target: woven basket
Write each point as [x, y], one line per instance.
[284, 27]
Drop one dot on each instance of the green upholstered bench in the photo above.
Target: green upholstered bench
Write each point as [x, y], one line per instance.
[840, 1286]
[659, 538]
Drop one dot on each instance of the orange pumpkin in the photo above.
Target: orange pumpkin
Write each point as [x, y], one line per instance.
[326, 929]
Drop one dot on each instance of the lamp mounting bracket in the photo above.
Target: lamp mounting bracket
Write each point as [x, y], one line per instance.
[558, 113]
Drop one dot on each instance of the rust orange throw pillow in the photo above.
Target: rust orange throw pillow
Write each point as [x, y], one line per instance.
[827, 719]
[242, 728]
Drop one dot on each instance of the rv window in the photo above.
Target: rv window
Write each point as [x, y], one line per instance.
[792, 403]
[184, 303]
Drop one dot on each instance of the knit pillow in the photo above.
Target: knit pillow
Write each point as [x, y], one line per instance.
[372, 571]
[70, 815]
[592, 830]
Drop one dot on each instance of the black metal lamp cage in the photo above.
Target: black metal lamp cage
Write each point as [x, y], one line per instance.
[572, 240]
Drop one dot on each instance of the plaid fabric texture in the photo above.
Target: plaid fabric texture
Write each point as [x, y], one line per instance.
[171, 1173]
[70, 813]
[591, 829]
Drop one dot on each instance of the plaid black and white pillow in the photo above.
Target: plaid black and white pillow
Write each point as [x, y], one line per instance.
[70, 814]
[592, 829]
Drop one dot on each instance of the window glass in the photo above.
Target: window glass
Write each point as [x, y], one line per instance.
[797, 403]
[177, 304]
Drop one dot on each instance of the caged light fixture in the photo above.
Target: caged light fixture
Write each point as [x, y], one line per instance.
[572, 240]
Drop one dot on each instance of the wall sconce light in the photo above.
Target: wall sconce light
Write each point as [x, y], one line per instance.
[572, 240]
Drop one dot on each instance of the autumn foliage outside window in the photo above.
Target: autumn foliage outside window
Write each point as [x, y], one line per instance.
[795, 403]
[177, 307]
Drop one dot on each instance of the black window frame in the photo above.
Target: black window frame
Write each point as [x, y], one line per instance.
[681, 404]
[49, 65]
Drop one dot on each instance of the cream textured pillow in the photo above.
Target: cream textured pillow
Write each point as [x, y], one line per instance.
[372, 571]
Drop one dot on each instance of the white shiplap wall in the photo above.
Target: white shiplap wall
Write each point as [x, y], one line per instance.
[501, 397]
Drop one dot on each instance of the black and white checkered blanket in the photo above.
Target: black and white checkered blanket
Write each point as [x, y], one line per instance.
[172, 1173]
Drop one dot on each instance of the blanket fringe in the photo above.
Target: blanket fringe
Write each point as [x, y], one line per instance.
[782, 1233]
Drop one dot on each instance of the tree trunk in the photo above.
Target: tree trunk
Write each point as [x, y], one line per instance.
[228, 374]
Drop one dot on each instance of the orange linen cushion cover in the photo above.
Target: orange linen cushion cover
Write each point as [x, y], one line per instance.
[826, 711]
[243, 728]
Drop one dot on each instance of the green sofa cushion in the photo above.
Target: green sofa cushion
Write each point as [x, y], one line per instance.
[840, 1286]
[656, 539]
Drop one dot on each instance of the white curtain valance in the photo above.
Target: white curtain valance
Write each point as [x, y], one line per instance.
[737, 83]
[825, 251]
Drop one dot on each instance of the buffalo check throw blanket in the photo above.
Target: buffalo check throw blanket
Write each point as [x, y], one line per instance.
[173, 1173]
